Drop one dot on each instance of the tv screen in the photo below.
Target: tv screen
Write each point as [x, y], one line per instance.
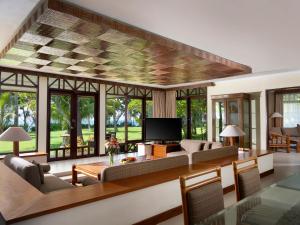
[163, 129]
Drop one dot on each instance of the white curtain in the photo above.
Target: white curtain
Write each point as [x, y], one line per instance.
[291, 110]
[170, 104]
[159, 103]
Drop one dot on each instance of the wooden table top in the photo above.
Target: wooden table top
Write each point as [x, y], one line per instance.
[96, 168]
[22, 201]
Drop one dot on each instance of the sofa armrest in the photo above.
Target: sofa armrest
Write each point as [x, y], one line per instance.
[46, 167]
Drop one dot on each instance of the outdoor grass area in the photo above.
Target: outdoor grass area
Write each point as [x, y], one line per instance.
[56, 141]
[134, 133]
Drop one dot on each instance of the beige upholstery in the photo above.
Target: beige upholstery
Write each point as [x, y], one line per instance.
[28, 171]
[31, 173]
[191, 146]
[53, 183]
[292, 132]
[276, 130]
[214, 154]
[249, 182]
[204, 202]
[140, 168]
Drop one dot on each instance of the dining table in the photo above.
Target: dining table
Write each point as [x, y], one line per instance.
[277, 204]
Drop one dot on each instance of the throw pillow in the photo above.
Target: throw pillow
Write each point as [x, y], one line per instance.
[40, 170]
[202, 146]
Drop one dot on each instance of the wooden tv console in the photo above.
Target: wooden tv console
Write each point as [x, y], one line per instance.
[161, 150]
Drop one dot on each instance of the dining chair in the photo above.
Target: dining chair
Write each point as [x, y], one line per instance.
[246, 176]
[202, 195]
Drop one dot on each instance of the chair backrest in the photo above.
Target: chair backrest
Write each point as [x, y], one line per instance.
[202, 198]
[246, 176]
[139, 168]
[214, 154]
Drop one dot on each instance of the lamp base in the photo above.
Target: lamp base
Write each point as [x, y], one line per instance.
[16, 148]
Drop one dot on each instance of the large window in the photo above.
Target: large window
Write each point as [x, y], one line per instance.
[18, 109]
[192, 110]
[124, 119]
[291, 109]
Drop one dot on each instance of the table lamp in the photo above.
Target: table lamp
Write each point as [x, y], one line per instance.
[275, 116]
[232, 131]
[15, 134]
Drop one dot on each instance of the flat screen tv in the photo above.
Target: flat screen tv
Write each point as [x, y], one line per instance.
[163, 129]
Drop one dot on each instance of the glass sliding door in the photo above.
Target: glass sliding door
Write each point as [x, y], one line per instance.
[72, 125]
[115, 117]
[60, 126]
[85, 126]
[134, 119]
[198, 119]
[181, 111]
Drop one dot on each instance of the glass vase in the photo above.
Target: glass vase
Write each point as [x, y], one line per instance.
[111, 158]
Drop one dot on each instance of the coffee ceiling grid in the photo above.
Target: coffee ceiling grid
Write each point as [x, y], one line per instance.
[60, 42]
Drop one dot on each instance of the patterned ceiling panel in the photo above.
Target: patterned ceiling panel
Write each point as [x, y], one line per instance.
[60, 42]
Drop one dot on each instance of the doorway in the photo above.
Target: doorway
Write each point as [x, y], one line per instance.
[72, 125]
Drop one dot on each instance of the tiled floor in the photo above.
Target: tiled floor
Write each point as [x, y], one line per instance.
[64, 167]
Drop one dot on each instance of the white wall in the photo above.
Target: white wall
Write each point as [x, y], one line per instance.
[249, 85]
[42, 114]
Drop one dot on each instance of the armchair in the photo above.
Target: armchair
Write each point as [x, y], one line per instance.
[277, 140]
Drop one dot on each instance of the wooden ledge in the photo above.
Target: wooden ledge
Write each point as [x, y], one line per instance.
[23, 201]
[28, 154]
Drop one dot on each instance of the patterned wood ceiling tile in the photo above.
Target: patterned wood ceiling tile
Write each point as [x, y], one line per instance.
[68, 61]
[57, 19]
[84, 44]
[20, 52]
[97, 60]
[78, 68]
[37, 61]
[35, 39]
[62, 45]
[52, 51]
[45, 30]
[73, 37]
[87, 51]
[74, 55]
[51, 69]
[30, 65]
[88, 29]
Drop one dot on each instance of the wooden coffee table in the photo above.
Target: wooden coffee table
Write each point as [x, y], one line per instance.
[94, 169]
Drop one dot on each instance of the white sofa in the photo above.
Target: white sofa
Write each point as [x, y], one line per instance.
[189, 146]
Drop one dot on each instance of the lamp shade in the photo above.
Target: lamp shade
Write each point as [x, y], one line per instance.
[232, 131]
[276, 115]
[15, 134]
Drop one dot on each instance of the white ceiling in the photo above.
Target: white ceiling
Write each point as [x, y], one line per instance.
[263, 34]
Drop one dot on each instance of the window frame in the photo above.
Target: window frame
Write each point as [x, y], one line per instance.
[188, 100]
[37, 116]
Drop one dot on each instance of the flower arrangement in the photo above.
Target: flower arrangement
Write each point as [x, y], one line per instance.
[112, 147]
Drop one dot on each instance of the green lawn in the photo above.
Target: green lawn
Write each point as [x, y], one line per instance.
[134, 133]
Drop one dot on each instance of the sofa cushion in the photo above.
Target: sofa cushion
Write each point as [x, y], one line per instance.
[213, 154]
[40, 170]
[54, 183]
[212, 145]
[140, 168]
[276, 130]
[191, 145]
[292, 131]
[25, 169]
